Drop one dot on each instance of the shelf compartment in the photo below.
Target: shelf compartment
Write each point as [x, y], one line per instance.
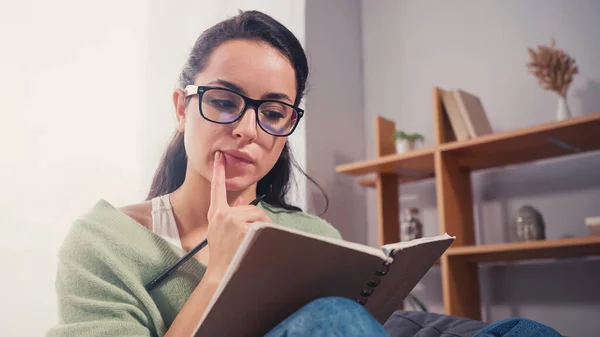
[412, 166]
[548, 140]
[542, 249]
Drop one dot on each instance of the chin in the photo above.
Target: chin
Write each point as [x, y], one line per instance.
[237, 183]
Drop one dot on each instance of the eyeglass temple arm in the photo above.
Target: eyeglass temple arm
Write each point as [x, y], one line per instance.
[191, 90]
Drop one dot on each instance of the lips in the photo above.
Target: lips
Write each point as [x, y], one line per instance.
[238, 157]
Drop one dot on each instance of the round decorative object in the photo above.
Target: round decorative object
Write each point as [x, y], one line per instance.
[411, 227]
[529, 224]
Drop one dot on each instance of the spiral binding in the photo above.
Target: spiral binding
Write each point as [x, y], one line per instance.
[372, 283]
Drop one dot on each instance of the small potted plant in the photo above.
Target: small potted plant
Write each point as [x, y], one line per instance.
[407, 141]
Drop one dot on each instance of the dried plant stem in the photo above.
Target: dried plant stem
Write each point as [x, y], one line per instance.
[553, 68]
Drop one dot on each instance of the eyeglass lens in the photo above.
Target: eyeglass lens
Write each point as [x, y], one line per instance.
[224, 106]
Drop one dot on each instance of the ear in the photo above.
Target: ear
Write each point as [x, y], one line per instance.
[180, 106]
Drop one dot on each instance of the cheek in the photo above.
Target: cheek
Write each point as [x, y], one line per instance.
[198, 137]
[273, 153]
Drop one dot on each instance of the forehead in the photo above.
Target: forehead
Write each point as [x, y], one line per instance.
[255, 66]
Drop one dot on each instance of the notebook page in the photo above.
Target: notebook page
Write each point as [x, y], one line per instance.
[406, 244]
[411, 261]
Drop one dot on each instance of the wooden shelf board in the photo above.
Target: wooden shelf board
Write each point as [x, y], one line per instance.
[559, 248]
[570, 136]
[370, 182]
[413, 165]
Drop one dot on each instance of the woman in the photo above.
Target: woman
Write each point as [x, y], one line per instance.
[236, 104]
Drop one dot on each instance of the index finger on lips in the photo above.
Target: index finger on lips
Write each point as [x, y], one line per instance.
[218, 191]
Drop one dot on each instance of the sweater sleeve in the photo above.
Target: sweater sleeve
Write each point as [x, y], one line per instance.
[93, 294]
[308, 223]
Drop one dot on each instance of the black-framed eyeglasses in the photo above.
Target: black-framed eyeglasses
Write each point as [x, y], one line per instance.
[225, 106]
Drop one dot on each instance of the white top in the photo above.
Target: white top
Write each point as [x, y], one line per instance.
[163, 220]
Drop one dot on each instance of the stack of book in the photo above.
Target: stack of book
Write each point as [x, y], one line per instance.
[593, 223]
[466, 114]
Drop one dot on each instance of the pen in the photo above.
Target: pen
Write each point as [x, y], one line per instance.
[187, 256]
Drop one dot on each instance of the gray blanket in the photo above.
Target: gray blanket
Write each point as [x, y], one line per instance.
[420, 324]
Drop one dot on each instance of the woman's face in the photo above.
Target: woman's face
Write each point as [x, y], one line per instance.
[256, 70]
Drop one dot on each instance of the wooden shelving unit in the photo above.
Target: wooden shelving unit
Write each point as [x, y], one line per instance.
[451, 163]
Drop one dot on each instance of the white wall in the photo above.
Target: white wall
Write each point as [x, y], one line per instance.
[481, 46]
[85, 113]
[334, 115]
[72, 84]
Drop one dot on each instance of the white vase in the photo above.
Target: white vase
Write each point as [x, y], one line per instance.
[402, 146]
[562, 112]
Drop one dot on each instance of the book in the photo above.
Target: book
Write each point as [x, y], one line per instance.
[455, 116]
[593, 224]
[473, 113]
[592, 221]
[277, 270]
[466, 114]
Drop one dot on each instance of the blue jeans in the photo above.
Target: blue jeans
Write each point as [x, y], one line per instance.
[329, 316]
[334, 316]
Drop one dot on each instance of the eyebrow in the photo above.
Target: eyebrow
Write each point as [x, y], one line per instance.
[235, 87]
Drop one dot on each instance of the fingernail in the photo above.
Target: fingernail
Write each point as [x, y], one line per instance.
[217, 155]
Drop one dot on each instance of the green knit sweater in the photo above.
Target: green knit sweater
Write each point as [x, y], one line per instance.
[107, 258]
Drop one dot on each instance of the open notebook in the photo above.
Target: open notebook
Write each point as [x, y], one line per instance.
[277, 270]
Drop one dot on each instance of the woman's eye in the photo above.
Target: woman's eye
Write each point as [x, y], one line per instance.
[273, 115]
[223, 104]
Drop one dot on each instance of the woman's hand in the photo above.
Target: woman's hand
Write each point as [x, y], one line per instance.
[227, 225]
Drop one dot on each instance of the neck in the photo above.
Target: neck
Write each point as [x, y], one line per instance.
[191, 200]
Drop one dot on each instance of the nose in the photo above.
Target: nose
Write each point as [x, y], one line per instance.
[245, 128]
